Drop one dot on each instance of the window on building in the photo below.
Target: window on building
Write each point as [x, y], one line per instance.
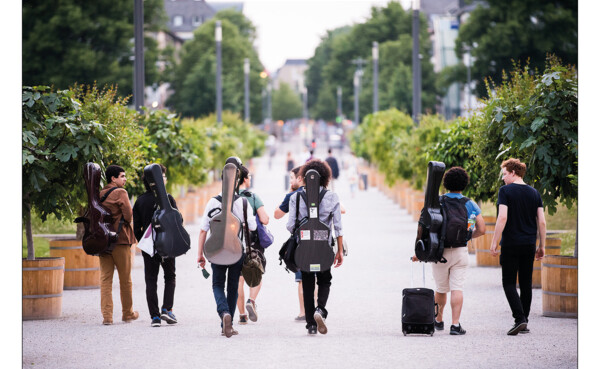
[177, 20]
[196, 20]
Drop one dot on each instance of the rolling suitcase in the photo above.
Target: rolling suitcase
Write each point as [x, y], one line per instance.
[418, 309]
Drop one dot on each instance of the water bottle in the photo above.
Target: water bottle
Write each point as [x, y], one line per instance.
[471, 223]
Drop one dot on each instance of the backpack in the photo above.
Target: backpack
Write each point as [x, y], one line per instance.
[454, 211]
[287, 251]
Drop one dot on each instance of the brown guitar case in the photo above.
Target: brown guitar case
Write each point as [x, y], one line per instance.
[99, 237]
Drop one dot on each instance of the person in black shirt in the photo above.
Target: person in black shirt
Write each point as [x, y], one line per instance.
[520, 220]
[143, 209]
[333, 164]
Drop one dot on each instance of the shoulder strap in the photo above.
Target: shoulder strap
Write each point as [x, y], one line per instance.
[107, 193]
[322, 194]
[246, 235]
[219, 198]
[297, 210]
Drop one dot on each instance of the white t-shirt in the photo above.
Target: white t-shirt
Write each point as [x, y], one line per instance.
[238, 211]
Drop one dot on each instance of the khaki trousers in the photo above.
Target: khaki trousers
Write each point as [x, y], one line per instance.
[121, 259]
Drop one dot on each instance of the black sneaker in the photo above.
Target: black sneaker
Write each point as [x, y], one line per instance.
[457, 331]
[439, 326]
[320, 319]
[518, 327]
[168, 316]
[524, 330]
[312, 329]
[155, 322]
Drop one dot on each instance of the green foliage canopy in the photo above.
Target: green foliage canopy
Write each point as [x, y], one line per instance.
[286, 103]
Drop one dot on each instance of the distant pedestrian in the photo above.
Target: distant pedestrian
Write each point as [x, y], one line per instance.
[450, 276]
[143, 210]
[310, 156]
[289, 161]
[117, 202]
[520, 220]
[258, 208]
[335, 169]
[329, 213]
[296, 185]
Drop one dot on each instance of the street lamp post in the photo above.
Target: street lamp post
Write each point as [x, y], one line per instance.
[305, 104]
[375, 51]
[468, 49]
[356, 92]
[339, 101]
[218, 39]
[416, 64]
[247, 89]
[138, 74]
[269, 111]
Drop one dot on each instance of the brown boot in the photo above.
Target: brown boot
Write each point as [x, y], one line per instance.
[129, 318]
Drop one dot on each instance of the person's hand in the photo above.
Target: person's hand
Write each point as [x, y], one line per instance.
[414, 258]
[494, 249]
[201, 260]
[539, 253]
[339, 259]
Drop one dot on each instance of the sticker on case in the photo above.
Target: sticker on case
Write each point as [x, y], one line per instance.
[305, 235]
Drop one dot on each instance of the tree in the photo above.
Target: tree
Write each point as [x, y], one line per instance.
[70, 41]
[60, 135]
[286, 103]
[194, 78]
[504, 31]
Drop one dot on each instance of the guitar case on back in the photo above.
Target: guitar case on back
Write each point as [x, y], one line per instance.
[314, 252]
[98, 237]
[223, 245]
[171, 239]
[429, 246]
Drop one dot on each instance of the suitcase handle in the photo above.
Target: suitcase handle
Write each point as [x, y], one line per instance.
[412, 274]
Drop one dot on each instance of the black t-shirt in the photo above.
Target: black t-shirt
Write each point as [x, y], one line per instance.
[521, 225]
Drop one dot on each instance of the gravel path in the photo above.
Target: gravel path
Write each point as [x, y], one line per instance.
[364, 305]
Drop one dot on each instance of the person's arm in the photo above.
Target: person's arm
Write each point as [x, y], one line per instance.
[541, 223]
[500, 224]
[279, 214]
[262, 215]
[342, 209]
[125, 206]
[479, 227]
[292, 218]
[201, 240]
[339, 256]
[138, 230]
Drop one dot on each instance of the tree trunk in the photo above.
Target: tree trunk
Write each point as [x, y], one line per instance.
[576, 236]
[29, 233]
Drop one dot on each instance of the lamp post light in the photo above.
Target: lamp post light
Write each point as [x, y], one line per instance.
[218, 39]
[416, 64]
[375, 52]
[247, 89]
[138, 74]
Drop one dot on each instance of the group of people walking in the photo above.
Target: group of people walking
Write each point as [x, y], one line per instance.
[520, 220]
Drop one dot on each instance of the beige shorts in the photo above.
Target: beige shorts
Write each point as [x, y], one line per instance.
[450, 276]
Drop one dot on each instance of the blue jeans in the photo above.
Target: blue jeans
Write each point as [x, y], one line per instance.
[226, 304]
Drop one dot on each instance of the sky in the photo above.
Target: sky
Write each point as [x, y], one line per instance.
[292, 29]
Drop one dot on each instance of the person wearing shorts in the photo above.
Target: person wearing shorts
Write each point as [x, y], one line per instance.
[450, 276]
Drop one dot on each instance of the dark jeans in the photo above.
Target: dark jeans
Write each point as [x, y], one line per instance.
[308, 289]
[152, 265]
[226, 304]
[518, 260]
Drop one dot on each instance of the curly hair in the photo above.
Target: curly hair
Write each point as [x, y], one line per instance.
[456, 179]
[515, 165]
[321, 167]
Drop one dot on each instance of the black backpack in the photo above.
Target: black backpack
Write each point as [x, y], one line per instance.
[287, 252]
[454, 211]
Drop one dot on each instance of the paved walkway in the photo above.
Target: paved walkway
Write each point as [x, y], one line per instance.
[364, 305]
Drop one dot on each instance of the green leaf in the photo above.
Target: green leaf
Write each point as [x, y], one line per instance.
[538, 123]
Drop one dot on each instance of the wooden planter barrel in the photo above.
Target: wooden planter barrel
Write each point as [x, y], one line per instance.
[482, 250]
[43, 280]
[82, 271]
[559, 286]
[552, 248]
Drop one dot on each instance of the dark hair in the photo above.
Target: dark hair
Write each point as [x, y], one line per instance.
[296, 170]
[456, 179]
[244, 172]
[515, 165]
[112, 171]
[321, 167]
[329, 150]
[312, 152]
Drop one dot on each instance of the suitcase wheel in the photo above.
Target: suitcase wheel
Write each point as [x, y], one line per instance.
[404, 332]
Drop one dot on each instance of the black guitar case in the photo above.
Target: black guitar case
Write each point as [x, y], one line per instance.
[429, 246]
[223, 245]
[171, 239]
[98, 236]
[314, 252]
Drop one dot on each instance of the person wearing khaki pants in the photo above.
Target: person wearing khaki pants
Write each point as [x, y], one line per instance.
[117, 202]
